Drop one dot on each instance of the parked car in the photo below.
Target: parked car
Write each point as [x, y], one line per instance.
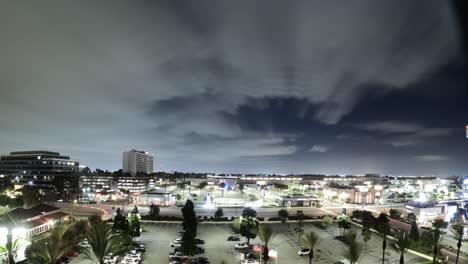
[175, 243]
[199, 250]
[233, 238]
[72, 253]
[199, 241]
[200, 260]
[241, 246]
[249, 261]
[177, 254]
[303, 252]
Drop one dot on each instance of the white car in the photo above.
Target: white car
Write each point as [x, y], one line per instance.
[345, 261]
[303, 252]
[85, 243]
[249, 261]
[130, 261]
[241, 246]
[176, 243]
[177, 255]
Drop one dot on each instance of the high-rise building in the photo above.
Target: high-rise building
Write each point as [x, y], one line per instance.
[137, 161]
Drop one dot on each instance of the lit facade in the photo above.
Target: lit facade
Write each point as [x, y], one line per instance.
[136, 161]
[102, 183]
[37, 162]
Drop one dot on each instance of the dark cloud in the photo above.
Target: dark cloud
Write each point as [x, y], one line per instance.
[235, 85]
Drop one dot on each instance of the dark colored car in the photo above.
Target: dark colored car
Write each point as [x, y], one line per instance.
[233, 238]
[200, 260]
[72, 253]
[199, 250]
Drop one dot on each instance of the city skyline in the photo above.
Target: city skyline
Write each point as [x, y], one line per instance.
[231, 88]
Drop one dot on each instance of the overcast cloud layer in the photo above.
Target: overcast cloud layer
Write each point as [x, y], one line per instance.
[237, 86]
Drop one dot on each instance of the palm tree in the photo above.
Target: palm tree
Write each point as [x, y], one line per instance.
[52, 248]
[437, 225]
[103, 242]
[266, 234]
[310, 241]
[383, 227]
[353, 253]
[403, 244]
[10, 248]
[457, 231]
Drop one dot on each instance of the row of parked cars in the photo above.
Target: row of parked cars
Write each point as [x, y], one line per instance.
[177, 257]
[134, 256]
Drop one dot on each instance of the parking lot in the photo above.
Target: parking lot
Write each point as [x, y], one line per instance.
[157, 238]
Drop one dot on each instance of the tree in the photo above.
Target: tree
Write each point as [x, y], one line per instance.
[94, 219]
[402, 244]
[103, 242]
[366, 235]
[343, 223]
[414, 232]
[80, 229]
[310, 240]
[134, 224]
[368, 219]
[120, 221]
[154, 211]
[11, 248]
[438, 225]
[189, 224]
[353, 253]
[266, 234]
[241, 188]
[383, 227]
[53, 247]
[30, 195]
[219, 213]
[457, 231]
[395, 214]
[299, 224]
[327, 221]
[249, 212]
[202, 185]
[283, 215]
[249, 227]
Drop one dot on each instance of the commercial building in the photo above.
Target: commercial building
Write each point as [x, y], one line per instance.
[157, 198]
[297, 200]
[137, 161]
[51, 166]
[427, 212]
[26, 223]
[104, 183]
[37, 162]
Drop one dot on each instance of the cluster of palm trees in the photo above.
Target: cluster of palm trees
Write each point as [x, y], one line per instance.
[50, 249]
[65, 235]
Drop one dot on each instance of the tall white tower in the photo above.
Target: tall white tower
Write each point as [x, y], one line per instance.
[134, 161]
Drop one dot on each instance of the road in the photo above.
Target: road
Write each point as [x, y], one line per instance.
[267, 212]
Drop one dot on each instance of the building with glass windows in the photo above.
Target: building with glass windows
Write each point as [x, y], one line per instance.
[137, 161]
[38, 163]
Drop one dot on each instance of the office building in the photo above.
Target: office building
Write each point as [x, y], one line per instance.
[37, 162]
[109, 183]
[29, 166]
[136, 161]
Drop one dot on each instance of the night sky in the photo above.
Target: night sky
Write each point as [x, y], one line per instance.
[237, 86]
